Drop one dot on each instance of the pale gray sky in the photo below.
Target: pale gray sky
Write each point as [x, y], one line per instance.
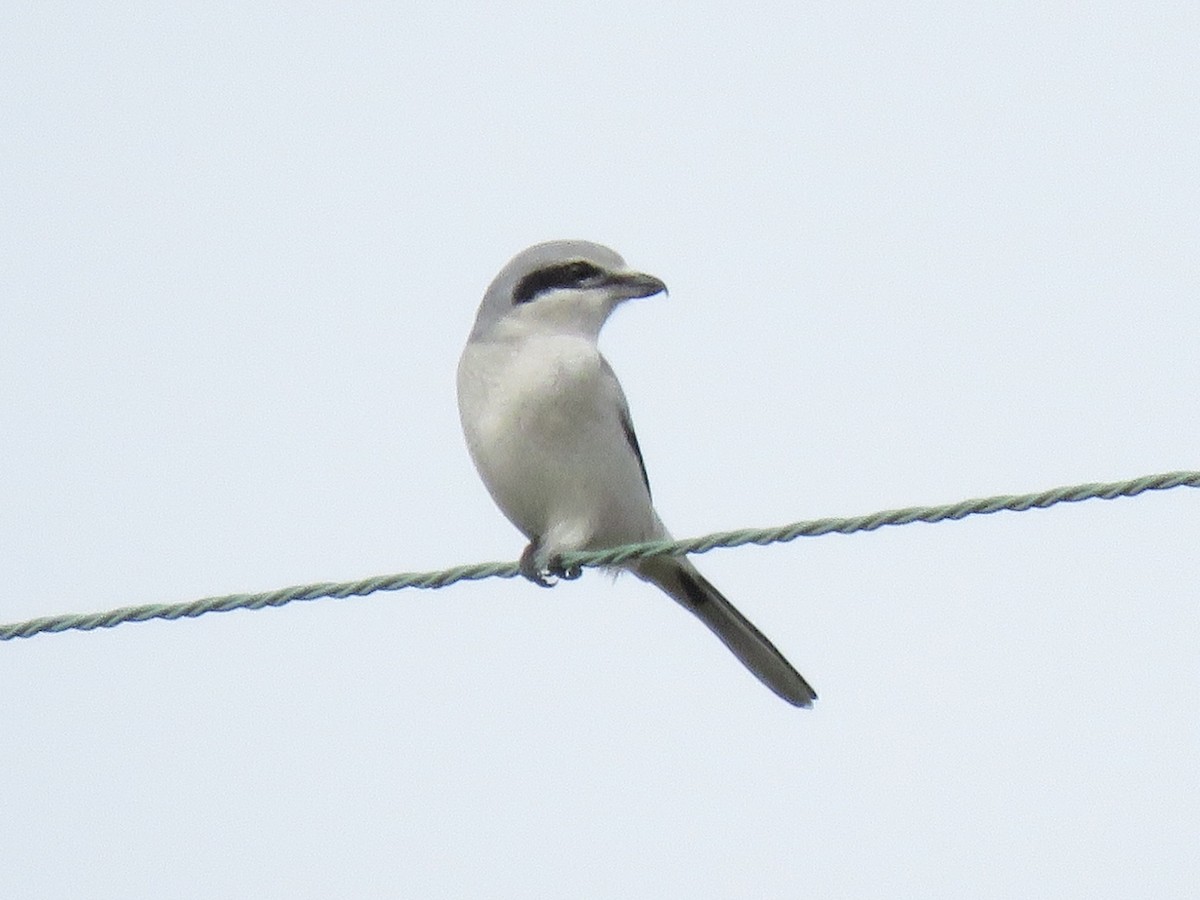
[914, 256]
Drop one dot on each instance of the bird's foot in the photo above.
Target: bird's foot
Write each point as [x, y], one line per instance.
[534, 567]
[558, 570]
[531, 568]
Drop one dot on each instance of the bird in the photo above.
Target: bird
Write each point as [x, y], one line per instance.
[549, 431]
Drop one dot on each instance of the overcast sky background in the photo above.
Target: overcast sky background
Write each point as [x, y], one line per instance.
[915, 256]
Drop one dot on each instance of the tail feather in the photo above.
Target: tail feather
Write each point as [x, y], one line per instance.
[684, 583]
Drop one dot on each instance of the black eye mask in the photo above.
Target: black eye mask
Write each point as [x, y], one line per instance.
[560, 275]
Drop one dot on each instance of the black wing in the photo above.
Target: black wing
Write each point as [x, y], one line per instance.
[627, 424]
[631, 436]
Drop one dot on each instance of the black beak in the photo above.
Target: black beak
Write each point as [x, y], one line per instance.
[631, 285]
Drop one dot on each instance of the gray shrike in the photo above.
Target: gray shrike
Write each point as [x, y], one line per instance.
[548, 428]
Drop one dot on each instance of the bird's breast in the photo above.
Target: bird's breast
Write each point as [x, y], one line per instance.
[542, 421]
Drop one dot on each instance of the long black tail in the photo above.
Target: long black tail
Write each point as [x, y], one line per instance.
[682, 581]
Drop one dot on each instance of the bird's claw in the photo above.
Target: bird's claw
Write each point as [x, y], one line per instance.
[536, 570]
[530, 568]
[566, 573]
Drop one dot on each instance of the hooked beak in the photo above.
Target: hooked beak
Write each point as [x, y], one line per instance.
[631, 285]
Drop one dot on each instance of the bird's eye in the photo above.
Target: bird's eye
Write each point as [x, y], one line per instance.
[560, 275]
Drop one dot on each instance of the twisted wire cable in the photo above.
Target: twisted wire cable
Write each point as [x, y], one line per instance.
[610, 557]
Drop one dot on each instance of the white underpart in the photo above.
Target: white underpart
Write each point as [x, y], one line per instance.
[548, 441]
